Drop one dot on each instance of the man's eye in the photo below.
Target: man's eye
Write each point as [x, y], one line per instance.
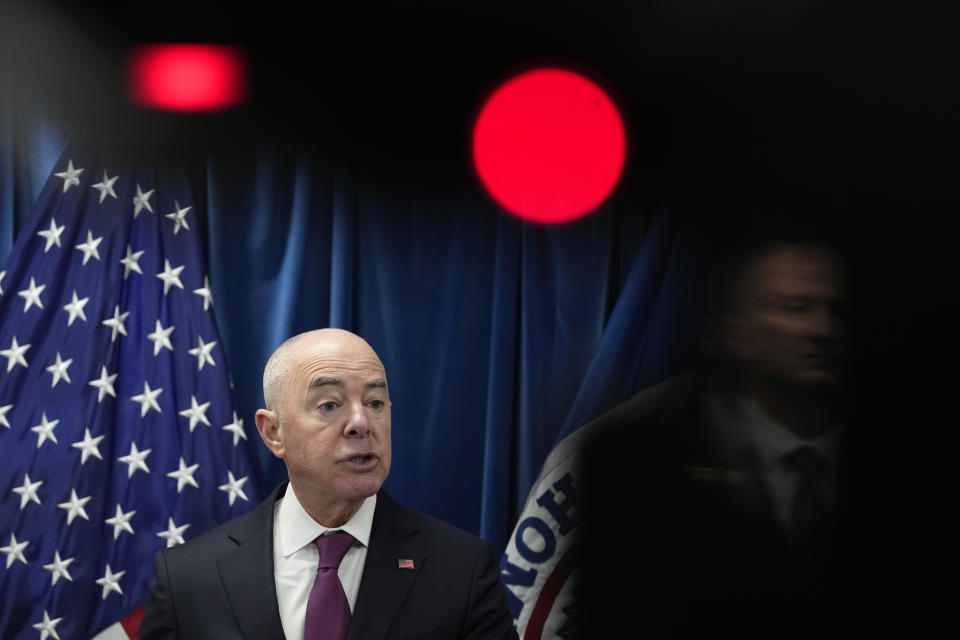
[376, 404]
[793, 306]
[787, 305]
[328, 406]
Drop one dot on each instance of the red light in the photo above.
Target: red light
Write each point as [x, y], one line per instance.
[187, 77]
[549, 145]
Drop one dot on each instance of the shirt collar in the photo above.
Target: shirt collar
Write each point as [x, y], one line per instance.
[773, 441]
[297, 529]
[745, 426]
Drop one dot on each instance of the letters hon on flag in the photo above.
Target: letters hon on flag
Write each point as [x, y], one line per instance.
[117, 430]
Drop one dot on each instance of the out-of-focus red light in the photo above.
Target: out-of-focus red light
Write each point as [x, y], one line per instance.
[549, 145]
[187, 77]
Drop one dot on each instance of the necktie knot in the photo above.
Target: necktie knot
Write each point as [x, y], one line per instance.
[807, 461]
[332, 547]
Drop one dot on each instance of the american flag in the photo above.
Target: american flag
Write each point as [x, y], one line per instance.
[118, 434]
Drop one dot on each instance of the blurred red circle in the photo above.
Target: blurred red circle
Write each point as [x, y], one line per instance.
[549, 145]
[187, 77]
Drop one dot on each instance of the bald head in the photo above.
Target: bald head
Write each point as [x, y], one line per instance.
[328, 341]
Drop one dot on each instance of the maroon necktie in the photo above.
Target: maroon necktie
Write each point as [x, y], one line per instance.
[328, 613]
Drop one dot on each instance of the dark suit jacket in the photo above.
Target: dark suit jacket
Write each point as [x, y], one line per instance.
[221, 584]
[702, 555]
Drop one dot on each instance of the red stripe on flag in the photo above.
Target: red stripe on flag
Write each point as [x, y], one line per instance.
[131, 624]
[541, 610]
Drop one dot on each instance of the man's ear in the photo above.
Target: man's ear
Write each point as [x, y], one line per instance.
[268, 424]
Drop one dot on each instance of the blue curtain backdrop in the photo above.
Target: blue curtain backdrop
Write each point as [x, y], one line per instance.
[487, 326]
[498, 336]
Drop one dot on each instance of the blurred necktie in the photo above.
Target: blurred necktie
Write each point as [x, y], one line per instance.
[811, 518]
[328, 612]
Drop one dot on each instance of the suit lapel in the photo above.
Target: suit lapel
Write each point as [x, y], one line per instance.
[384, 584]
[247, 573]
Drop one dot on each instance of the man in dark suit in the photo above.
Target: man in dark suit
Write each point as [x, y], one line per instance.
[402, 574]
[772, 495]
[740, 536]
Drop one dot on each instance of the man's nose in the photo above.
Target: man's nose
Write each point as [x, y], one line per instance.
[358, 424]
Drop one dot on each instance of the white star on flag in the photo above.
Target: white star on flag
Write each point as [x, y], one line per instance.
[135, 460]
[105, 187]
[90, 247]
[184, 475]
[58, 568]
[70, 177]
[3, 415]
[120, 522]
[202, 353]
[31, 295]
[59, 370]
[116, 322]
[234, 487]
[131, 262]
[174, 534]
[14, 354]
[51, 235]
[28, 491]
[205, 293]
[88, 446]
[142, 201]
[236, 428]
[110, 582]
[44, 430]
[104, 384]
[161, 338]
[48, 627]
[196, 413]
[75, 507]
[148, 399]
[14, 550]
[75, 308]
[170, 277]
[179, 217]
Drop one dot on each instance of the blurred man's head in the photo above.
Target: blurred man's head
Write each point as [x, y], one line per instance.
[784, 316]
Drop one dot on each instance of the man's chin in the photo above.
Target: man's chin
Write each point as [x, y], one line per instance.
[362, 486]
[816, 380]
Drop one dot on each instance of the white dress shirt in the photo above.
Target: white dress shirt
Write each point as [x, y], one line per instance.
[746, 428]
[295, 557]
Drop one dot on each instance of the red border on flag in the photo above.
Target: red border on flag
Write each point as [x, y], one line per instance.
[541, 610]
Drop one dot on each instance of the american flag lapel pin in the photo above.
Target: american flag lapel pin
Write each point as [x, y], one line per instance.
[404, 563]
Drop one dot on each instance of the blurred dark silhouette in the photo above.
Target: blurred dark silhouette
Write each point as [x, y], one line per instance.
[765, 495]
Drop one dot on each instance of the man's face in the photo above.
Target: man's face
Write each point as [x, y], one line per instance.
[334, 421]
[790, 327]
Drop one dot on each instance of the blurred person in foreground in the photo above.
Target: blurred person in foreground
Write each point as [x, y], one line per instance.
[736, 482]
[394, 573]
